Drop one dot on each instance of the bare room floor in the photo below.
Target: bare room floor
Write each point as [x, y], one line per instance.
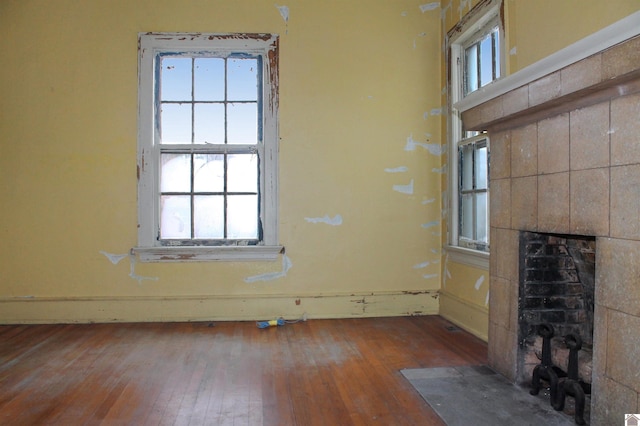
[344, 371]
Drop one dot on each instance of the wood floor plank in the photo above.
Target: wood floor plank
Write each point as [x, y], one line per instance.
[343, 371]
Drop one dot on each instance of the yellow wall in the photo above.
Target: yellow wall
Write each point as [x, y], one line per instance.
[361, 81]
[534, 30]
[358, 79]
[539, 28]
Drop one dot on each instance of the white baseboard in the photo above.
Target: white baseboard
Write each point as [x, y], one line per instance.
[35, 310]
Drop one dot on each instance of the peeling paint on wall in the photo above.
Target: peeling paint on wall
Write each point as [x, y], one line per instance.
[429, 6]
[335, 221]
[421, 265]
[436, 111]
[429, 201]
[430, 276]
[270, 276]
[433, 148]
[479, 282]
[513, 51]
[441, 170]
[486, 300]
[400, 169]
[404, 189]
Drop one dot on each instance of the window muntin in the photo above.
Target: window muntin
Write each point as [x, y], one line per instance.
[207, 146]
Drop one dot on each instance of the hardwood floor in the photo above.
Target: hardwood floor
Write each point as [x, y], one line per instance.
[318, 372]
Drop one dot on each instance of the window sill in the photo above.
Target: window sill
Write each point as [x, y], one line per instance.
[208, 254]
[465, 256]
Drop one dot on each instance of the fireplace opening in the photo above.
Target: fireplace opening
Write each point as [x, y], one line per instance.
[557, 284]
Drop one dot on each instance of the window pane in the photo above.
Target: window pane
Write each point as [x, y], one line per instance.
[175, 173]
[466, 216]
[486, 61]
[466, 166]
[242, 123]
[481, 167]
[175, 217]
[481, 221]
[242, 173]
[242, 79]
[209, 123]
[175, 79]
[208, 215]
[208, 76]
[176, 123]
[242, 213]
[471, 69]
[208, 173]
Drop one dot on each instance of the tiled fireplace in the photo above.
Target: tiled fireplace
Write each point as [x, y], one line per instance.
[565, 160]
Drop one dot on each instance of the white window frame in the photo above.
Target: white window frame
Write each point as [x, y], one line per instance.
[486, 15]
[151, 47]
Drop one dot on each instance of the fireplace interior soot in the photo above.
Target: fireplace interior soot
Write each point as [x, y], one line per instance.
[556, 291]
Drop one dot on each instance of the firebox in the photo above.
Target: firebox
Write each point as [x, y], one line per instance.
[557, 283]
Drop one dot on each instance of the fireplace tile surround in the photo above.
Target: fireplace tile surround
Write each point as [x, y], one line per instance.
[565, 158]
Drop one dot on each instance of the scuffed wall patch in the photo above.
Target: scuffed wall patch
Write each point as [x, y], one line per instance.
[464, 4]
[284, 12]
[429, 201]
[421, 265]
[114, 258]
[441, 170]
[429, 6]
[430, 276]
[270, 276]
[335, 221]
[430, 224]
[433, 148]
[132, 272]
[479, 282]
[513, 51]
[400, 169]
[404, 189]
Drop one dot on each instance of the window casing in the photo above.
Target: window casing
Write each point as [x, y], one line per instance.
[475, 60]
[207, 147]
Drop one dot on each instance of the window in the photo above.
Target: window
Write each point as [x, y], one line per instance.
[207, 147]
[481, 59]
[475, 58]
[473, 191]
